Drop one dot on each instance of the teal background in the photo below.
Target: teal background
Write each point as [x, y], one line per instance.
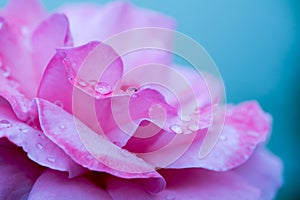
[256, 45]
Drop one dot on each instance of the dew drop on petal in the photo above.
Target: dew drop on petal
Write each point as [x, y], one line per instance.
[51, 159]
[223, 137]
[131, 89]
[5, 124]
[82, 83]
[193, 127]
[176, 129]
[186, 118]
[103, 88]
[23, 129]
[61, 126]
[40, 146]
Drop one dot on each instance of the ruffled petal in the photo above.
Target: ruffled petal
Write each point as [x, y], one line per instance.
[38, 147]
[53, 185]
[89, 149]
[52, 33]
[81, 67]
[245, 128]
[122, 17]
[17, 174]
[264, 171]
[188, 184]
[22, 14]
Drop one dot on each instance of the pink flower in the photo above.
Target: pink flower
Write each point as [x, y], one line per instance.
[95, 124]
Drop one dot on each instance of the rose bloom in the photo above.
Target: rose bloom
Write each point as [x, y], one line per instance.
[64, 136]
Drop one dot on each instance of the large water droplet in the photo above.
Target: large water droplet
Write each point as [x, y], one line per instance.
[82, 83]
[59, 103]
[51, 159]
[40, 146]
[5, 124]
[131, 89]
[193, 127]
[25, 30]
[23, 129]
[103, 88]
[176, 129]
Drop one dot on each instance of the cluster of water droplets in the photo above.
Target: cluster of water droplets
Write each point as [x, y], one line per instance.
[189, 123]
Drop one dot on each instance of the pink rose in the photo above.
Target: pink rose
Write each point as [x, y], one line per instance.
[101, 118]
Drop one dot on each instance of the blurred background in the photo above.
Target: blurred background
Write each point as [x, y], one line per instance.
[256, 46]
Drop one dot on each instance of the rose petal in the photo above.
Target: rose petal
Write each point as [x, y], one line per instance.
[246, 127]
[264, 171]
[20, 13]
[187, 184]
[52, 185]
[123, 16]
[38, 147]
[125, 112]
[52, 33]
[89, 149]
[33, 55]
[17, 174]
[19, 103]
[67, 63]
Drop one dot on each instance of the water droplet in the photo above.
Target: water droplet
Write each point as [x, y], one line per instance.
[5, 124]
[51, 159]
[170, 197]
[59, 103]
[23, 129]
[82, 83]
[5, 71]
[40, 146]
[61, 126]
[131, 89]
[176, 129]
[186, 118]
[223, 137]
[1, 25]
[193, 127]
[103, 88]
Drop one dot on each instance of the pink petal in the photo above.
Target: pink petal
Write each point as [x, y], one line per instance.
[85, 63]
[246, 127]
[20, 13]
[187, 184]
[53, 185]
[264, 171]
[19, 103]
[52, 33]
[125, 112]
[38, 147]
[89, 149]
[17, 173]
[33, 55]
[123, 16]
